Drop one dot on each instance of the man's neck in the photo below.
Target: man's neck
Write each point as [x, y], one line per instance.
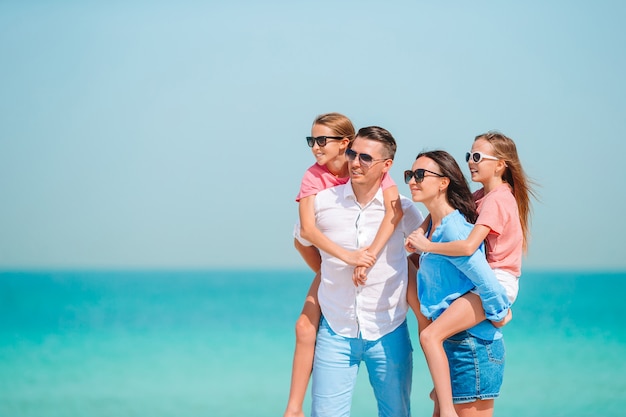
[365, 193]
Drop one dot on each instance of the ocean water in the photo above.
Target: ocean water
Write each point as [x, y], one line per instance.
[220, 344]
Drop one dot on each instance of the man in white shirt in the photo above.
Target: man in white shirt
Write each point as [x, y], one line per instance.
[366, 322]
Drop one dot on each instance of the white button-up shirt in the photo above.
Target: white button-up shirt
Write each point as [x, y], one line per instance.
[378, 307]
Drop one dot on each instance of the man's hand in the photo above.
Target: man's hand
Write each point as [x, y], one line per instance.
[359, 276]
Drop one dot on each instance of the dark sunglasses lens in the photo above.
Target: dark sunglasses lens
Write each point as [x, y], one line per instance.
[476, 156]
[419, 175]
[467, 156]
[321, 141]
[407, 176]
[365, 158]
[350, 154]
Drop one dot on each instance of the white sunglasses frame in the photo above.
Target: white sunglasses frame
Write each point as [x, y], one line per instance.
[470, 156]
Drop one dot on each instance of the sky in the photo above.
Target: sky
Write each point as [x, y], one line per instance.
[171, 135]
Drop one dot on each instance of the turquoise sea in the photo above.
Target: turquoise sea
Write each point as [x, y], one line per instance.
[220, 343]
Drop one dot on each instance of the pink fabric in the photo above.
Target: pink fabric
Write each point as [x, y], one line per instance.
[498, 211]
[318, 178]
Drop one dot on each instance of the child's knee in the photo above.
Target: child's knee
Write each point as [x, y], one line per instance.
[429, 338]
[305, 330]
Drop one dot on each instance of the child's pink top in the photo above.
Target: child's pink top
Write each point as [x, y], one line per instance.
[498, 211]
[318, 178]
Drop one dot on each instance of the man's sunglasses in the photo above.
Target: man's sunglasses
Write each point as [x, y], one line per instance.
[478, 156]
[365, 160]
[419, 175]
[321, 140]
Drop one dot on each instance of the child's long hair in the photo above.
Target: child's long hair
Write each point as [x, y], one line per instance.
[514, 175]
[340, 124]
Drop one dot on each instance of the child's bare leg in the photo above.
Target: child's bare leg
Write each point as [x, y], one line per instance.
[479, 408]
[411, 290]
[310, 254]
[433, 396]
[306, 332]
[462, 314]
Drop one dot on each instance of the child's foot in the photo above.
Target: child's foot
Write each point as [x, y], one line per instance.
[437, 410]
[508, 318]
[433, 396]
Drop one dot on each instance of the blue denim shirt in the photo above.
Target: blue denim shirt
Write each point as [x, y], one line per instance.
[442, 279]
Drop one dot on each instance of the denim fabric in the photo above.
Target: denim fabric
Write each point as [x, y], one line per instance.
[476, 367]
[389, 362]
[442, 279]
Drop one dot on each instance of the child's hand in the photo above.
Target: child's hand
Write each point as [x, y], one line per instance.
[361, 257]
[359, 276]
[408, 246]
[505, 320]
[417, 242]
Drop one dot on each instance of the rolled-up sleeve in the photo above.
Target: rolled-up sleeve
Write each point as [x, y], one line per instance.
[492, 294]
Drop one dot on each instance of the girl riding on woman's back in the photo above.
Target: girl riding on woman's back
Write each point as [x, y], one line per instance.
[503, 205]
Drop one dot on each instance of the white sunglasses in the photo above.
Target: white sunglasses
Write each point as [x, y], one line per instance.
[478, 156]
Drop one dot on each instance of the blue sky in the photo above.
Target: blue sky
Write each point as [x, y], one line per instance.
[171, 134]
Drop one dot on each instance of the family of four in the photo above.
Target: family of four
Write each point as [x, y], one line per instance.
[355, 231]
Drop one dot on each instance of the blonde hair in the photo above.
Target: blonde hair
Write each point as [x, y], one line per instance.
[514, 175]
[339, 124]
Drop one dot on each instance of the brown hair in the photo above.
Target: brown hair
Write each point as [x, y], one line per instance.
[458, 193]
[514, 175]
[381, 135]
[340, 124]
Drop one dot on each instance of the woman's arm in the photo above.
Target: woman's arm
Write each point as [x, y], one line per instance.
[310, 232]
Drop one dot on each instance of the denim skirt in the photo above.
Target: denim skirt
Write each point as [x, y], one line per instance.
[476, 367]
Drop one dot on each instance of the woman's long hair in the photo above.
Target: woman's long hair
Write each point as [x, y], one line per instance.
[458, 193]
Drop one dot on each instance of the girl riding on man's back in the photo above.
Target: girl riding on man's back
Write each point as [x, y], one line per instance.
[331, 136]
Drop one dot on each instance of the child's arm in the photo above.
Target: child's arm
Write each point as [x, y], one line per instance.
[454, 248]
[393, 215]
[310, 232]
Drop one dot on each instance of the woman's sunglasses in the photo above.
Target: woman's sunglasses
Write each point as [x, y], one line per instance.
[478, 156]
[321, 140]
[365, 159]
[419, 175]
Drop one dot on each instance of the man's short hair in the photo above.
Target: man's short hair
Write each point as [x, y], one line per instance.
[381, 135]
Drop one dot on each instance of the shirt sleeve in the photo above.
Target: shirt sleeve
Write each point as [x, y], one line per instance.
[311, 184]
[412, 218]
[387, 181]
[492, 294]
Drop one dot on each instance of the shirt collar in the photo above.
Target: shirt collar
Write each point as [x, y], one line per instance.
[348, 194]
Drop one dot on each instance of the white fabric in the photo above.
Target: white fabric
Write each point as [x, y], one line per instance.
[296, 235]
[509, 281]
[378, 307]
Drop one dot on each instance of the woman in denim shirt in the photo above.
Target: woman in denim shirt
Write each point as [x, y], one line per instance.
[474, 356]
